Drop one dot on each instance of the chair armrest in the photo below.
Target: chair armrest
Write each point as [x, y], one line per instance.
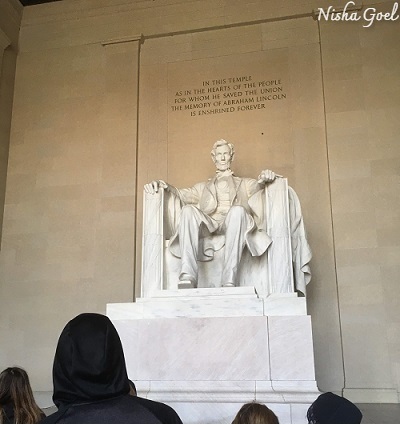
[152, 243]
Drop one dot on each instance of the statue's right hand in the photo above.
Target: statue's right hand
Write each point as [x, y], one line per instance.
[154, 186]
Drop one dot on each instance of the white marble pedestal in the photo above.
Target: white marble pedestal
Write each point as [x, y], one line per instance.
[205, 352]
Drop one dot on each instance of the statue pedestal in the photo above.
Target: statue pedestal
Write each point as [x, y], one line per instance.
[205, 352]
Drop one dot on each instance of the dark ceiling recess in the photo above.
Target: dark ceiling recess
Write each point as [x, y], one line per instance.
[32, 2]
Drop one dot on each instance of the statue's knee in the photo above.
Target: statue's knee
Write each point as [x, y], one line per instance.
[237, 211]
[187, 211]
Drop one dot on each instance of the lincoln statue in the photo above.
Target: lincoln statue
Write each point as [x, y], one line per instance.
[220, 207]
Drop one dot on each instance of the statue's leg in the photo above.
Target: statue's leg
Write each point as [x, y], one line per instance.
[189, 228]
[236, 224]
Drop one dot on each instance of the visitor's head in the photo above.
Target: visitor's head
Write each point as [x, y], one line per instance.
[222, 154]
[89, 363]
[15, 390]
[332, 409]
[255, 413]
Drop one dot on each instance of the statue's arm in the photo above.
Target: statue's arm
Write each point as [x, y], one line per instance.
[185, 195]
[266, 177]
[173, 203]
[191, 195]
[154, 186]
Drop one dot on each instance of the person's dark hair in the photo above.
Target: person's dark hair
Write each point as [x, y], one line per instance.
[329, 408]
[255, 413]
[15, 390]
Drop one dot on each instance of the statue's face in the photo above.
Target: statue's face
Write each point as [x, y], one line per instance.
[222, 158]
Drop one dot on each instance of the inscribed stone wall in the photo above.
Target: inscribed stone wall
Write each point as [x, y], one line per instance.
[260, 87]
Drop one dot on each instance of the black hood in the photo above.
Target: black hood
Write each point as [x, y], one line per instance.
[89, 364]
[333, 409]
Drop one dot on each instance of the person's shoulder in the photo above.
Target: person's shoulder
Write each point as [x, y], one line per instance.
[42, 416]
[53, 418]
[123, 410]
[162, 411]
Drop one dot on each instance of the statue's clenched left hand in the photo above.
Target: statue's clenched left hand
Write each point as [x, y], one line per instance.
[267, 176]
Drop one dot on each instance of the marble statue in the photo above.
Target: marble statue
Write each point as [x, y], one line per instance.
[228, 211]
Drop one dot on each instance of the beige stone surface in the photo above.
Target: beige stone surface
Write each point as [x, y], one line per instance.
[68, 243]
[10, 19]
[362, 99]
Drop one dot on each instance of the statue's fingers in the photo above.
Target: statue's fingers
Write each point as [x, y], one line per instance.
[265, 176]
[155, 186]
[162, 184]
[151, 188]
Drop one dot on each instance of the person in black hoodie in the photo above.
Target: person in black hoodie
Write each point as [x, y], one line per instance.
[90, 381]
[163, 412]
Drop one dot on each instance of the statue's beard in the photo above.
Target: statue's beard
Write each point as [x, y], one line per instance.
[223, 166]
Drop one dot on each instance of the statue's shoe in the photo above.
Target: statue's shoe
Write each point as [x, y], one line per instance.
[187, 284]
[228, 285]
[186, 281]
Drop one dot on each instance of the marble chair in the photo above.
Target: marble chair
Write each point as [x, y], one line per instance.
[283, 268]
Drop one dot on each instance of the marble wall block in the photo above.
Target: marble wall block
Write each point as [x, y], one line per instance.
[201, 368]
[196, 349]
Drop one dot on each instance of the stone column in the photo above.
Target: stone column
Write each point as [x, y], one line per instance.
[4, 129]
[120, 137]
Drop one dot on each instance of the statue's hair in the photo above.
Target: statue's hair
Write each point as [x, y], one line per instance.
[255, 413]
[223, 142]
[16, 389]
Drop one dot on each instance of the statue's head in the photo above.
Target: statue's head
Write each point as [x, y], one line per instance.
[222, 154]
